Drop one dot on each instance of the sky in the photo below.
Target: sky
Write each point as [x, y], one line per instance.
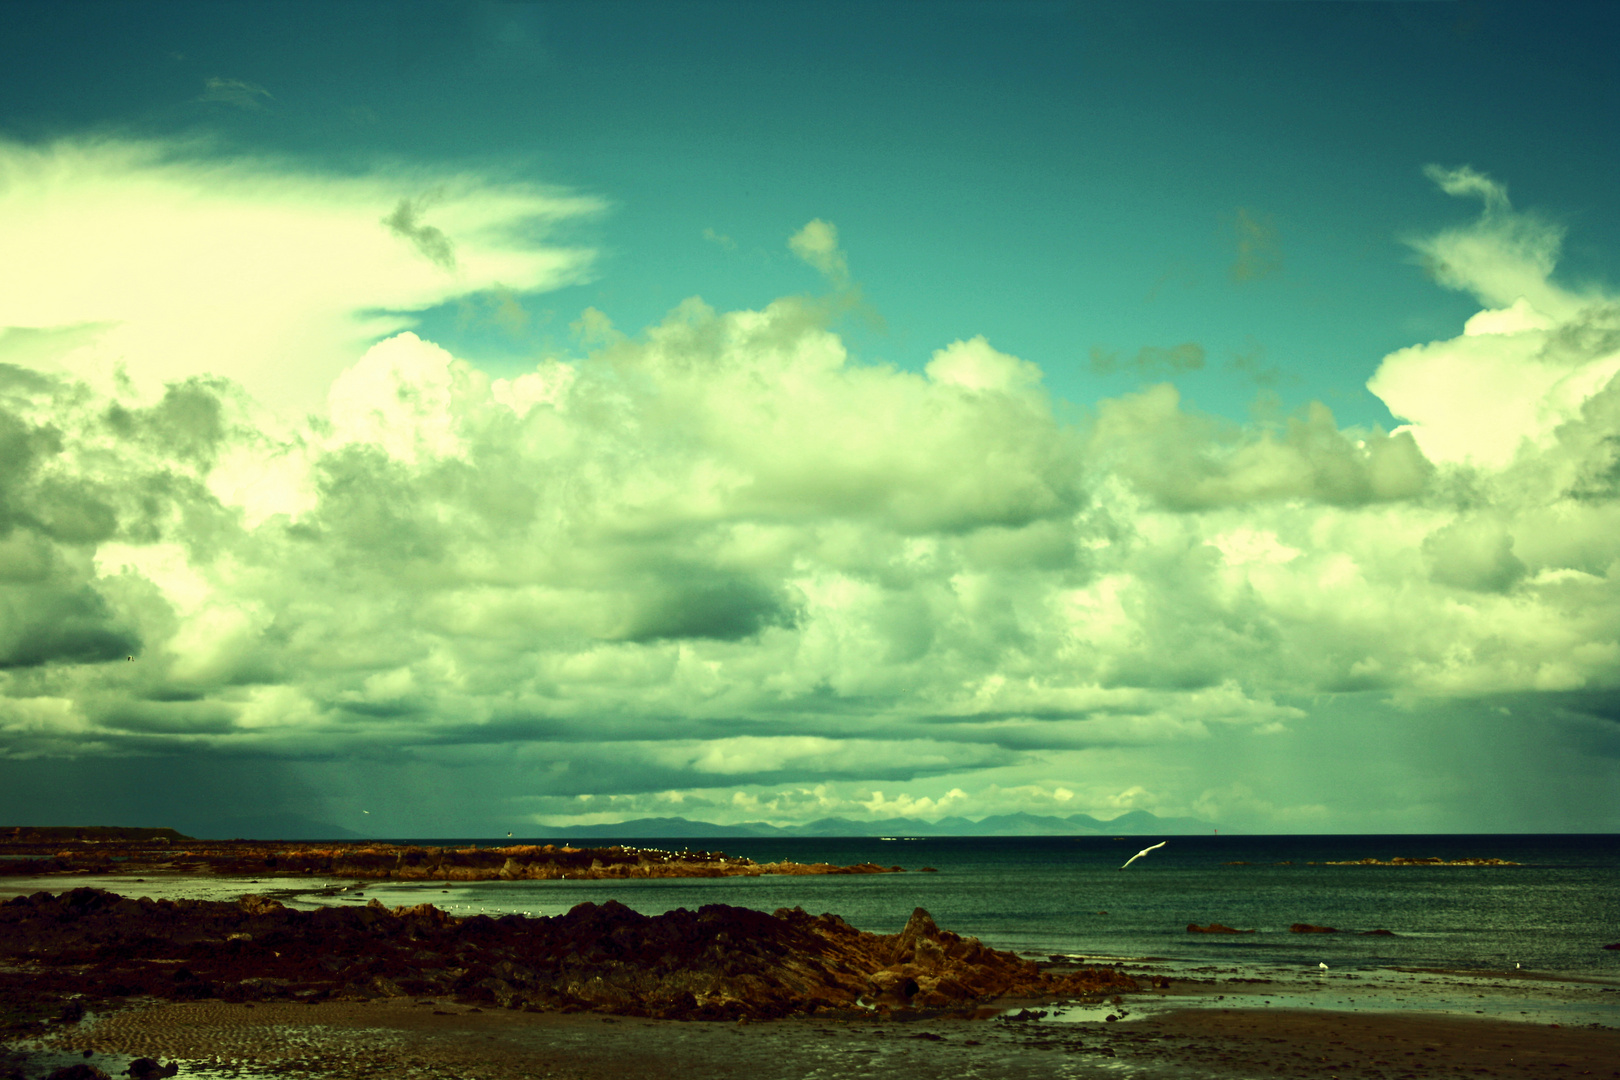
[450, 419]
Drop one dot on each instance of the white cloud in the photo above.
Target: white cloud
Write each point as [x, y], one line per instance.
[1523, 366]
[1503, 256]
[817, 245]
[171, 262]
[721, 557]
[238, 92]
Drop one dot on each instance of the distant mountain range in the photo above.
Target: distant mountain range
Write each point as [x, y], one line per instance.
[1133, 823]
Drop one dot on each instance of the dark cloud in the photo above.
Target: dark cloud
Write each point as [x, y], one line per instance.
[60, 621]
[405, 222]
[200, 794]
[1193, 462]
[699, 603]
[1150, 359]
[189, 422]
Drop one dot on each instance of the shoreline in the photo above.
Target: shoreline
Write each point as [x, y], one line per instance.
[1205, 1020]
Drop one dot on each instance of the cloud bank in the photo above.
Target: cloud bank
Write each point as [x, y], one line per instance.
[722, 568]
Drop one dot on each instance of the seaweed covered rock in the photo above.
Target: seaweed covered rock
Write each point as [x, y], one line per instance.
[719, 962]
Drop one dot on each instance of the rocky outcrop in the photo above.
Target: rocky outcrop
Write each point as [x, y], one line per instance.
[1307, 928]
[718, 962]
[1401, 860]
[1214, 928]
[527, 862]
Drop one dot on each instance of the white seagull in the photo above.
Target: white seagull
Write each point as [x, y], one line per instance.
[1324, 967]
[1144, 851]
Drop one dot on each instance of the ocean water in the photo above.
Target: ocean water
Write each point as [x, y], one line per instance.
[1044, 896]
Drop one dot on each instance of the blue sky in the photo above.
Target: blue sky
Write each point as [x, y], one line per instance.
[1059, 178]
[1032, 436]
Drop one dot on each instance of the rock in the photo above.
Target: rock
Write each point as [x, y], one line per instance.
[32, 852]
[1214, 928]
[253, 904]
[1402, 860]
[147, 1069]
[81, 1071]
[719, 962]
[1307, 928]
[1378, 933]
[1616, 945]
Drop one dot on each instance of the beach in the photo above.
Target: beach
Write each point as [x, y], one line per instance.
[1228, 1006]
[438, 1038]
[1182, 1022]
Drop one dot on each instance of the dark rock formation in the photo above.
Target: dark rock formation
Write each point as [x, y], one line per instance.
[1307, 928]
[158, 854]
[719, 962]
[1214, 928]
[89, 834]
[1378, 933]
[81, 1071]
[1401, 860]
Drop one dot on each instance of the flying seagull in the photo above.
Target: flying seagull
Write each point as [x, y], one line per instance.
[1144, 851]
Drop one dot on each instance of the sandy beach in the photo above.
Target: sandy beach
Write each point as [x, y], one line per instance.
[337, 1040]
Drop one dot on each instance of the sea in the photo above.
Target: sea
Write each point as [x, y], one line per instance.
[1069, 897]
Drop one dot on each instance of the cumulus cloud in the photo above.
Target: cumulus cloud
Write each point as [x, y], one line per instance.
[722, 568]
[1522, 367]
[1187, 461]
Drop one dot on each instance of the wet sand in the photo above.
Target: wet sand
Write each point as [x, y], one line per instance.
[1189, 1032]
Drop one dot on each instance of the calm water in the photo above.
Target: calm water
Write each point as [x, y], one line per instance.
[1048, 895]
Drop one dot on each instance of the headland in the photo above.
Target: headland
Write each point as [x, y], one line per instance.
[42, 852]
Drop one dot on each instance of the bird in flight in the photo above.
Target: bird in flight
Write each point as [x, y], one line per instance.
[1144, 851]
